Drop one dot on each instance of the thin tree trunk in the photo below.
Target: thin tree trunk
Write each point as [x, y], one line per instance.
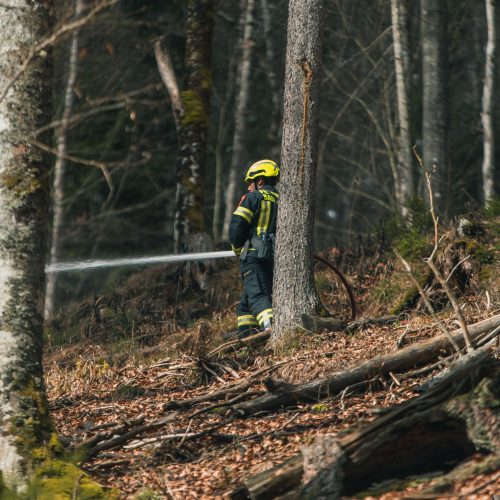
[24, 171]
[270, 62]
[193, 123]
[435, 98]
[294, 291]
[488, 167]
[60, 167]
[242, 110]
[224, 125]
[404, 180]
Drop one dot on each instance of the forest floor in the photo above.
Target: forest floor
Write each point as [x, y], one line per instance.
[98, 389]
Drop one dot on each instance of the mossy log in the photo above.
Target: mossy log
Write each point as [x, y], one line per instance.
[434, 431]
[282, 394]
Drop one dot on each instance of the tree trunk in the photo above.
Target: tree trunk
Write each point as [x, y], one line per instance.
[433, 431]
[193, 123]
[241, 112]
[404, 180]
[270, 62]
[435, 98]
[488, 167]
[60, 167]
[24, 172]
[284, 394]
[294, 291]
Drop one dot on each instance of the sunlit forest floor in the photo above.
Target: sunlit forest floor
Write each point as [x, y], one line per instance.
[120, 371]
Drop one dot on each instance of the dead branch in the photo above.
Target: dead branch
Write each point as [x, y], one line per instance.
[429, 306]
[90, 448]
[225, 391]
[431, 264]
[453, 302]
[240, 343]
[170, 437]
[42, 45]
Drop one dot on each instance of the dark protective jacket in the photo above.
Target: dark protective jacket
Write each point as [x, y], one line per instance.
[254, 221]
[255, 215]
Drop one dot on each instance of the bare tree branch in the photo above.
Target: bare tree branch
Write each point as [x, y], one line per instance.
[40, 47]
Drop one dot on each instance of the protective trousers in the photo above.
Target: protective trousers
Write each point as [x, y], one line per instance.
[255, 310]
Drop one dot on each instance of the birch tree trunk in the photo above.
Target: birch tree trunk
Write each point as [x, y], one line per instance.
[193, 122]
[24, 171]
[236, 172]
[60, 167]
[435, 98]
[488, 167]
[294, 290]
[404, 179]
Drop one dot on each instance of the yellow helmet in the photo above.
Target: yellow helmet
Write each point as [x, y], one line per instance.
[262, 168]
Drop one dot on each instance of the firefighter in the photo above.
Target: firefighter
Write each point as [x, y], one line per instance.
[251, 233]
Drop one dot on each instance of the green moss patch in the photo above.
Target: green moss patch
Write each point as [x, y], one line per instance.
[59, 480]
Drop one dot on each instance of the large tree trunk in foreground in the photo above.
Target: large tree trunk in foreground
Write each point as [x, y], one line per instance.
[24, 172]
[28, 444]
[294, 291]
[193, 123]
[434, 431]
[283, 394]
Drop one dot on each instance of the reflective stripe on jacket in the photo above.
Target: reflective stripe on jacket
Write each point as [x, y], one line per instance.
[255, 215]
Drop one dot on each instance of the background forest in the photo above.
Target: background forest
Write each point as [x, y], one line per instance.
[115, 122]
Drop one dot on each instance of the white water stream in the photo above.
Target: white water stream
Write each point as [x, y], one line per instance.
[84, 265]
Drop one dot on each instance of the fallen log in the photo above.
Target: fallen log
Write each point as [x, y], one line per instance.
[433, 431]
[399, 361]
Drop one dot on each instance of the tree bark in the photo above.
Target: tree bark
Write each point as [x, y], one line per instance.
[433, 431]
[435, 98]
[24, 171]
[270, 62]
[283, 394]
[294, 291]
[60, 167]
[488, 167]
[193, 122]
[242, 111]
[404, 180]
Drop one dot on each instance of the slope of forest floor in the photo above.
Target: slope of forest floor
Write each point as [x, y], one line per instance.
[133, 353]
